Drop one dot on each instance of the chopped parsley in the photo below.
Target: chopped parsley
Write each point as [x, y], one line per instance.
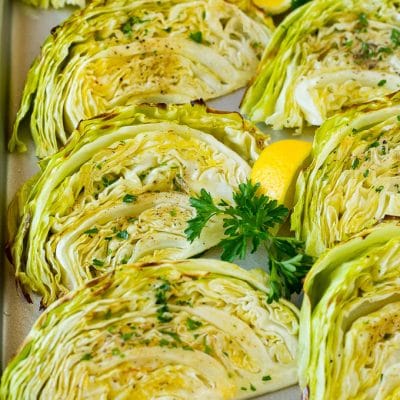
[161, 292]
[126, 336]
[252, 387]
[174, 335]
[379, 189]
[129, 198]
[192, 324]
[366, 173]
[196, 36]
[382, 82]
[356, 163]
[117, 352]
[395, 37]
[91, 231]
[122, 235]
[266, 378]
[362, 20]
[97, 263]
[86, 357]
[163, 314]
[126, 28]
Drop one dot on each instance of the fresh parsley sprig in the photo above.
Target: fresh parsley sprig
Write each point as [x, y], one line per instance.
[249, 221]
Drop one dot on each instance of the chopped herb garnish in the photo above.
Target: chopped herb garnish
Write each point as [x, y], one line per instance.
[207, 348]
[122, 235]
[174, 335]
[196, 37]
[86, 357]
[108, 181]
[161, 292]
[163, 342]
[252, 387]
[91, 231]
[362, 20]
[97, 263]
[172, 213]
[129, 198]
[126, 336]
[379, 189]
[366, 173]
[348, 43]
[356, 163]
[243, 388]
[395, 37]
[117, 352]
[373, 144]
[186, 347]
[203, 14]
[192, 324]
[127, 26]
[168, 30]
[163, 314]
[382, 82]
[266, 378]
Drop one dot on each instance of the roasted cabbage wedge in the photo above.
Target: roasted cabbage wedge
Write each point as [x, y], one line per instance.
[325, 57]
[119, 192]
[350, 320]
[353, 181]
[250, 7]
[193, 329]
[122, 52]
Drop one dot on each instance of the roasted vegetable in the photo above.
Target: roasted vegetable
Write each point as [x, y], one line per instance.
[119, 192]
[121, 52]
[353, 181]
[326, 56]
[194, 329]
[350, 320]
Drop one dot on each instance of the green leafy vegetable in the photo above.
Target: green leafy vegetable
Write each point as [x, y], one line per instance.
[249, 221]
[196, 37]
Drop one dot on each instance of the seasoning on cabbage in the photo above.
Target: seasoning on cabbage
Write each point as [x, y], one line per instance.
[119, 192]
[350, 320]
[121, 52]
[325, 57]
[193, 329]
[353, 181]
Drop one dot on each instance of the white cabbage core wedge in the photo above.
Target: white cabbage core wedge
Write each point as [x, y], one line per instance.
[193, 329]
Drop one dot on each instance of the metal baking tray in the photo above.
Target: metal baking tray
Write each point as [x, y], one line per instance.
[22, 31]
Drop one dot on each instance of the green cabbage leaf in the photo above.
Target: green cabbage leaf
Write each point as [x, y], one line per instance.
[350, 320]
[353, 181]
[119, 192]
[193, 329]
[120, 52]
[325, 57]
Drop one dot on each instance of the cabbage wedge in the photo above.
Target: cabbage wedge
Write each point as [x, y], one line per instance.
[119, 192]
[353, 181]
[123, 52]
[325, 57]
[193, 329]
[350, 320]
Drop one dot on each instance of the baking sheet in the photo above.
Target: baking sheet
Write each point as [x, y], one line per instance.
[24, 30]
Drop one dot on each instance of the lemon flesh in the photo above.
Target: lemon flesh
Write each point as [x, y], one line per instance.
[277, 169]
[273, 6]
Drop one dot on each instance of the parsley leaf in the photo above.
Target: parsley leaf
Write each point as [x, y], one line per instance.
[196, 37]
[248, 221]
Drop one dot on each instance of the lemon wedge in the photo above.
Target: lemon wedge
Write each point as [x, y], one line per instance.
[273, 6]
[277, 169]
